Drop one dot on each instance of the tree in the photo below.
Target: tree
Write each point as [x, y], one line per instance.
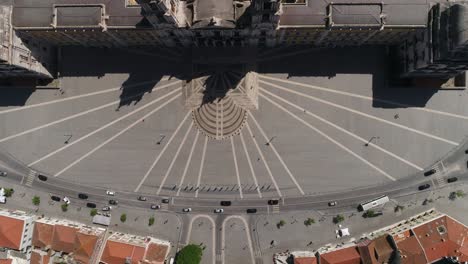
[64, 207]
[338, 219]
[93, 212]
[457, 194]
[309, 221]
[151, 221]
[123, 218]
[190, 254]
[369, 213]
[9, 192]
[399, 208]
[36, 200]
[280, 224]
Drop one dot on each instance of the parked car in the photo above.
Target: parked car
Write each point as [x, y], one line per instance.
[66, 200]
[155, 206]
[251, 211]
[187, 210]
[3, 173]
[91, 205]
[111, 193]
[165, 200]
[452, 179]
[219, 210]
[225, 203]
[273, 202]
[333, 203]
[42, 177]
[424, 186]
[141, 198]
[107, 208]
[82, 196]
[55, 198]
[113, 202]
[429, 172]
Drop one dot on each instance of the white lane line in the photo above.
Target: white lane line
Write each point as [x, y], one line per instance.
[247, 233]
[161, 153]
[115, 136]
[168, 171]
[202, 163]
[252, 171]
[264, 161]
[74, 97]
[103, 127]
[344, 131]
[237, 168]
[329, 138]
[213, 251]
[364, 114]
[189, 159]
[277, 154]
[433, 111]
[77, 115]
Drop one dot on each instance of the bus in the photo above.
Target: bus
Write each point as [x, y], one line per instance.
[373, 203]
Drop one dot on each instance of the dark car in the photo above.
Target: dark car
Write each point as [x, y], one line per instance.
[225, 203]
[82, 196]
[429, 172]
[251, 211]
[453, 179]
[91, 205]
[55, 198]
[273, 202]
[3, 173]
[42, 177]
[424, 186]
[165, 200]
[113, 202]
[141, 198]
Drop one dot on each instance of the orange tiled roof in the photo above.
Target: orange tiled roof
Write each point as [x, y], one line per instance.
[42, 235]
[117, 252]
[342, 256]
[84, 246]
[383, 249]
[38, 258]
[64, 238]
[6, 261]
[305, 260]
[156, 253]
[11, 232]
[411, 251]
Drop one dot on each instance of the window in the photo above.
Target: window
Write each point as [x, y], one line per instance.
[294, 2]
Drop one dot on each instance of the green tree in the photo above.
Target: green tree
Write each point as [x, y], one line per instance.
[36, 200]
[123, 218]
[190, 254]
[280, 224]
[309, 221]
[369, 213]
[9, 192]
[151, 221]
[338, 219]
[93, 212]
[64, 207]
[399, 208]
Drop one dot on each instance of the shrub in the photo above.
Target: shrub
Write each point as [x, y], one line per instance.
[280, 224]
[190, 254]
[36, 200]
[123, 218]
[309, 221]
[9, 192]
[338, 219]
[93, 212]
[151, 221]
[369, 213]
[64, 207]
[399, 208]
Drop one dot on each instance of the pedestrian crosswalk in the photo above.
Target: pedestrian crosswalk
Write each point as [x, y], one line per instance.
[258, 254]
[31, 177]
[219, 258]
[164, 206]
[276, 209]
[439, 175]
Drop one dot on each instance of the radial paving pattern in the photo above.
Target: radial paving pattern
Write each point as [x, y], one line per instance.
[308, 135]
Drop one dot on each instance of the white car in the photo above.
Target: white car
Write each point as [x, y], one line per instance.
[219, 210]
[66, 200]
[111, 193]
[187, 210]
[107, 208]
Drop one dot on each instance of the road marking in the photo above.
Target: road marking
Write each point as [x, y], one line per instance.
[237, 168]
[202, 163]
[364, 114]
[189, 159]
[213, 224]
[116, 135]
[168, 171]
[77, 115]
[103, 127]
[75, 97]
[329, 138]
[433, 111]
[250, 164]
[345, 131]
[277, 154]
[30, 179]
[161, 153]
[264, 161]
[275, 209]
[249, 239]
